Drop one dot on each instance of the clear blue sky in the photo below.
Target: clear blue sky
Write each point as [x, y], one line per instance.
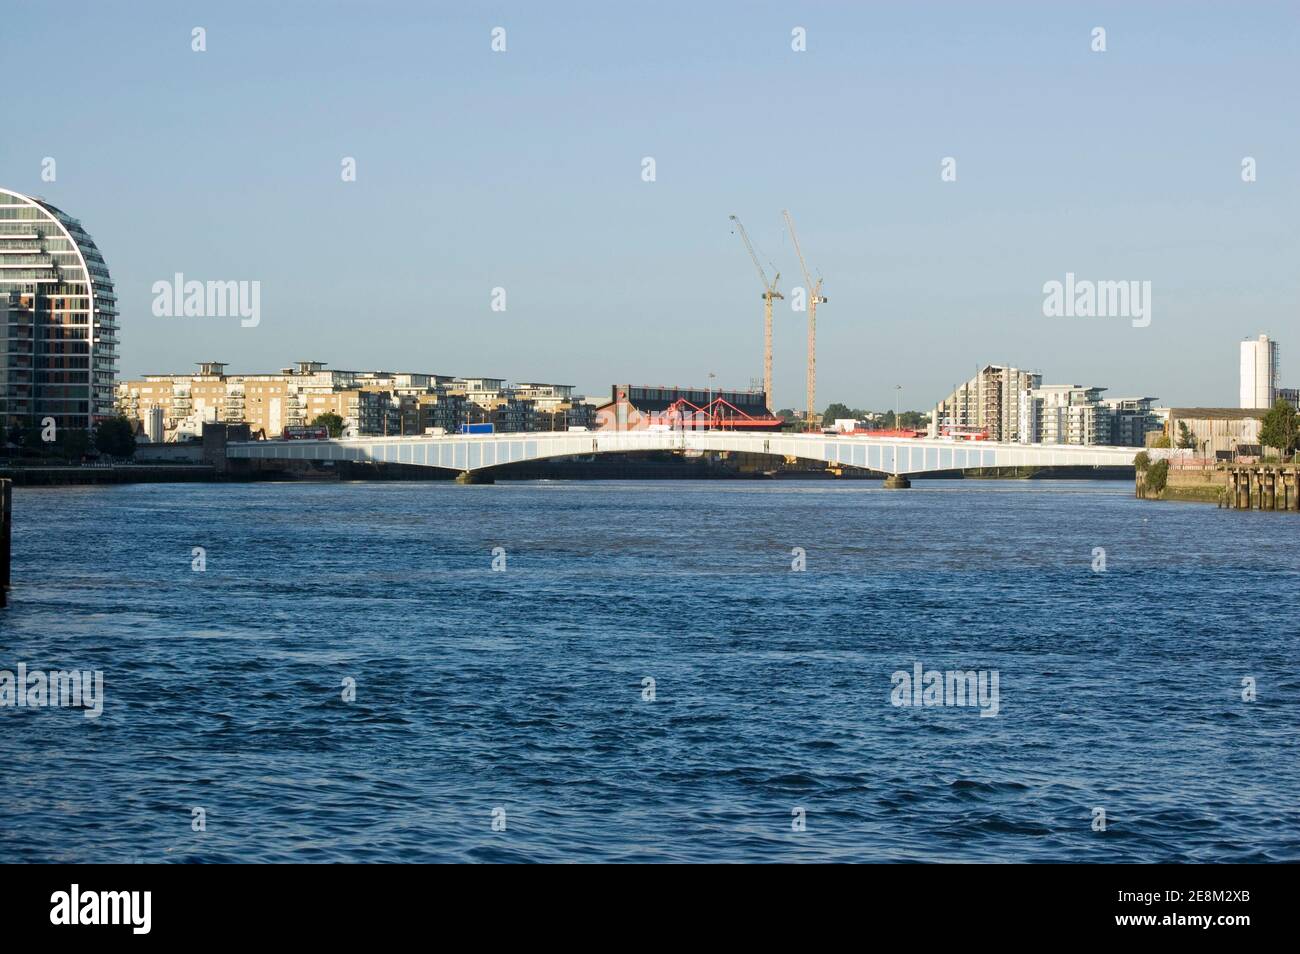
[522, 170]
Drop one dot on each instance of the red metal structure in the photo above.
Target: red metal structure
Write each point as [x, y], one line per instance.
[718, 415]
[638, 407]
[904, 432]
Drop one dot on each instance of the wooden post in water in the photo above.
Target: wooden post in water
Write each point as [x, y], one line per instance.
[6, 523]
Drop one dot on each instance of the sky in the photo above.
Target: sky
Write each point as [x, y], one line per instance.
[523, 170]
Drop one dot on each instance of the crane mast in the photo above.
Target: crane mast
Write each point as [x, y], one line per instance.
[814, 299]
[769, 293]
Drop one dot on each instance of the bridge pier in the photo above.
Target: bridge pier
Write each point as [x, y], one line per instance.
[474, 477]
[897, 482]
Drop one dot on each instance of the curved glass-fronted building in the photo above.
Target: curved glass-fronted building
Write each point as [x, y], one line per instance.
[58, 318]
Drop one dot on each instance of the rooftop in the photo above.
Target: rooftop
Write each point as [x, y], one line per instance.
[1218, 413]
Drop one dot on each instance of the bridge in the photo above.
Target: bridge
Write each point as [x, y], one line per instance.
[471, 455]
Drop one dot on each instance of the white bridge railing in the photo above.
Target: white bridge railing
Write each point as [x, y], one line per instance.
[471, 452]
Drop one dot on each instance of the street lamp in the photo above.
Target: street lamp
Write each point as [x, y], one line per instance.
[897, 388]
[708, 404]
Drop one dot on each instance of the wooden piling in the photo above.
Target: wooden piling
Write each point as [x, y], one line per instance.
[1262, 487]
[6, 538]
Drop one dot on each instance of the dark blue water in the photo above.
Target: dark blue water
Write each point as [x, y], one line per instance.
[521, 691]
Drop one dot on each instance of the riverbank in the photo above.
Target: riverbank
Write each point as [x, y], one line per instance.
[1233, 486]
[1188, 486]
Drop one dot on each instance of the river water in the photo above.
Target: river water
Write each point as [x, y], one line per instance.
[509, 714]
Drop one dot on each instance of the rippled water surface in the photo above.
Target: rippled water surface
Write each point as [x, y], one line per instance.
[520, 692]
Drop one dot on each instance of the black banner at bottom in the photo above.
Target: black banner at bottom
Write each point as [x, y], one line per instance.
[335, 903]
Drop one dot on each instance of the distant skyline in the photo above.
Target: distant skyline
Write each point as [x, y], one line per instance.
[522, 170]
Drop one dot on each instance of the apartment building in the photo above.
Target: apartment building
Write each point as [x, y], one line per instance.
[1131, 419]
[995, 402]
[432, 410]
[1003, 403]
[267, 402]
[546, 397]
[58, 318]
[1070, 414]
[371, 403]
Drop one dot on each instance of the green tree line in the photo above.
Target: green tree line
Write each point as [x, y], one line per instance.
[915, 420]
[113, 438]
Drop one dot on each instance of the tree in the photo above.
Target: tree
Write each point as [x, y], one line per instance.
[115, 437]
[836, 412]
[1280, 428]
[1142, 461]
[1161, 441]
[1186, 439]
[1157, 476]
[26, 434]
[74, 443]
[30, 437]
[332, 423]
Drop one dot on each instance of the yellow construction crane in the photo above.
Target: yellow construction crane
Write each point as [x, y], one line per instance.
[814, 299]
[769, 293]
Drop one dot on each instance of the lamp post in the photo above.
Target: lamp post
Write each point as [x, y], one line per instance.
[708, 404]
[897, 388]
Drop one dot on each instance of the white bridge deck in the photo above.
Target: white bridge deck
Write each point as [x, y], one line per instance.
[475, 452]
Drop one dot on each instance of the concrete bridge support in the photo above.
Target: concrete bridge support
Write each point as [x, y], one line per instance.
[474, 477]
[897, 482]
